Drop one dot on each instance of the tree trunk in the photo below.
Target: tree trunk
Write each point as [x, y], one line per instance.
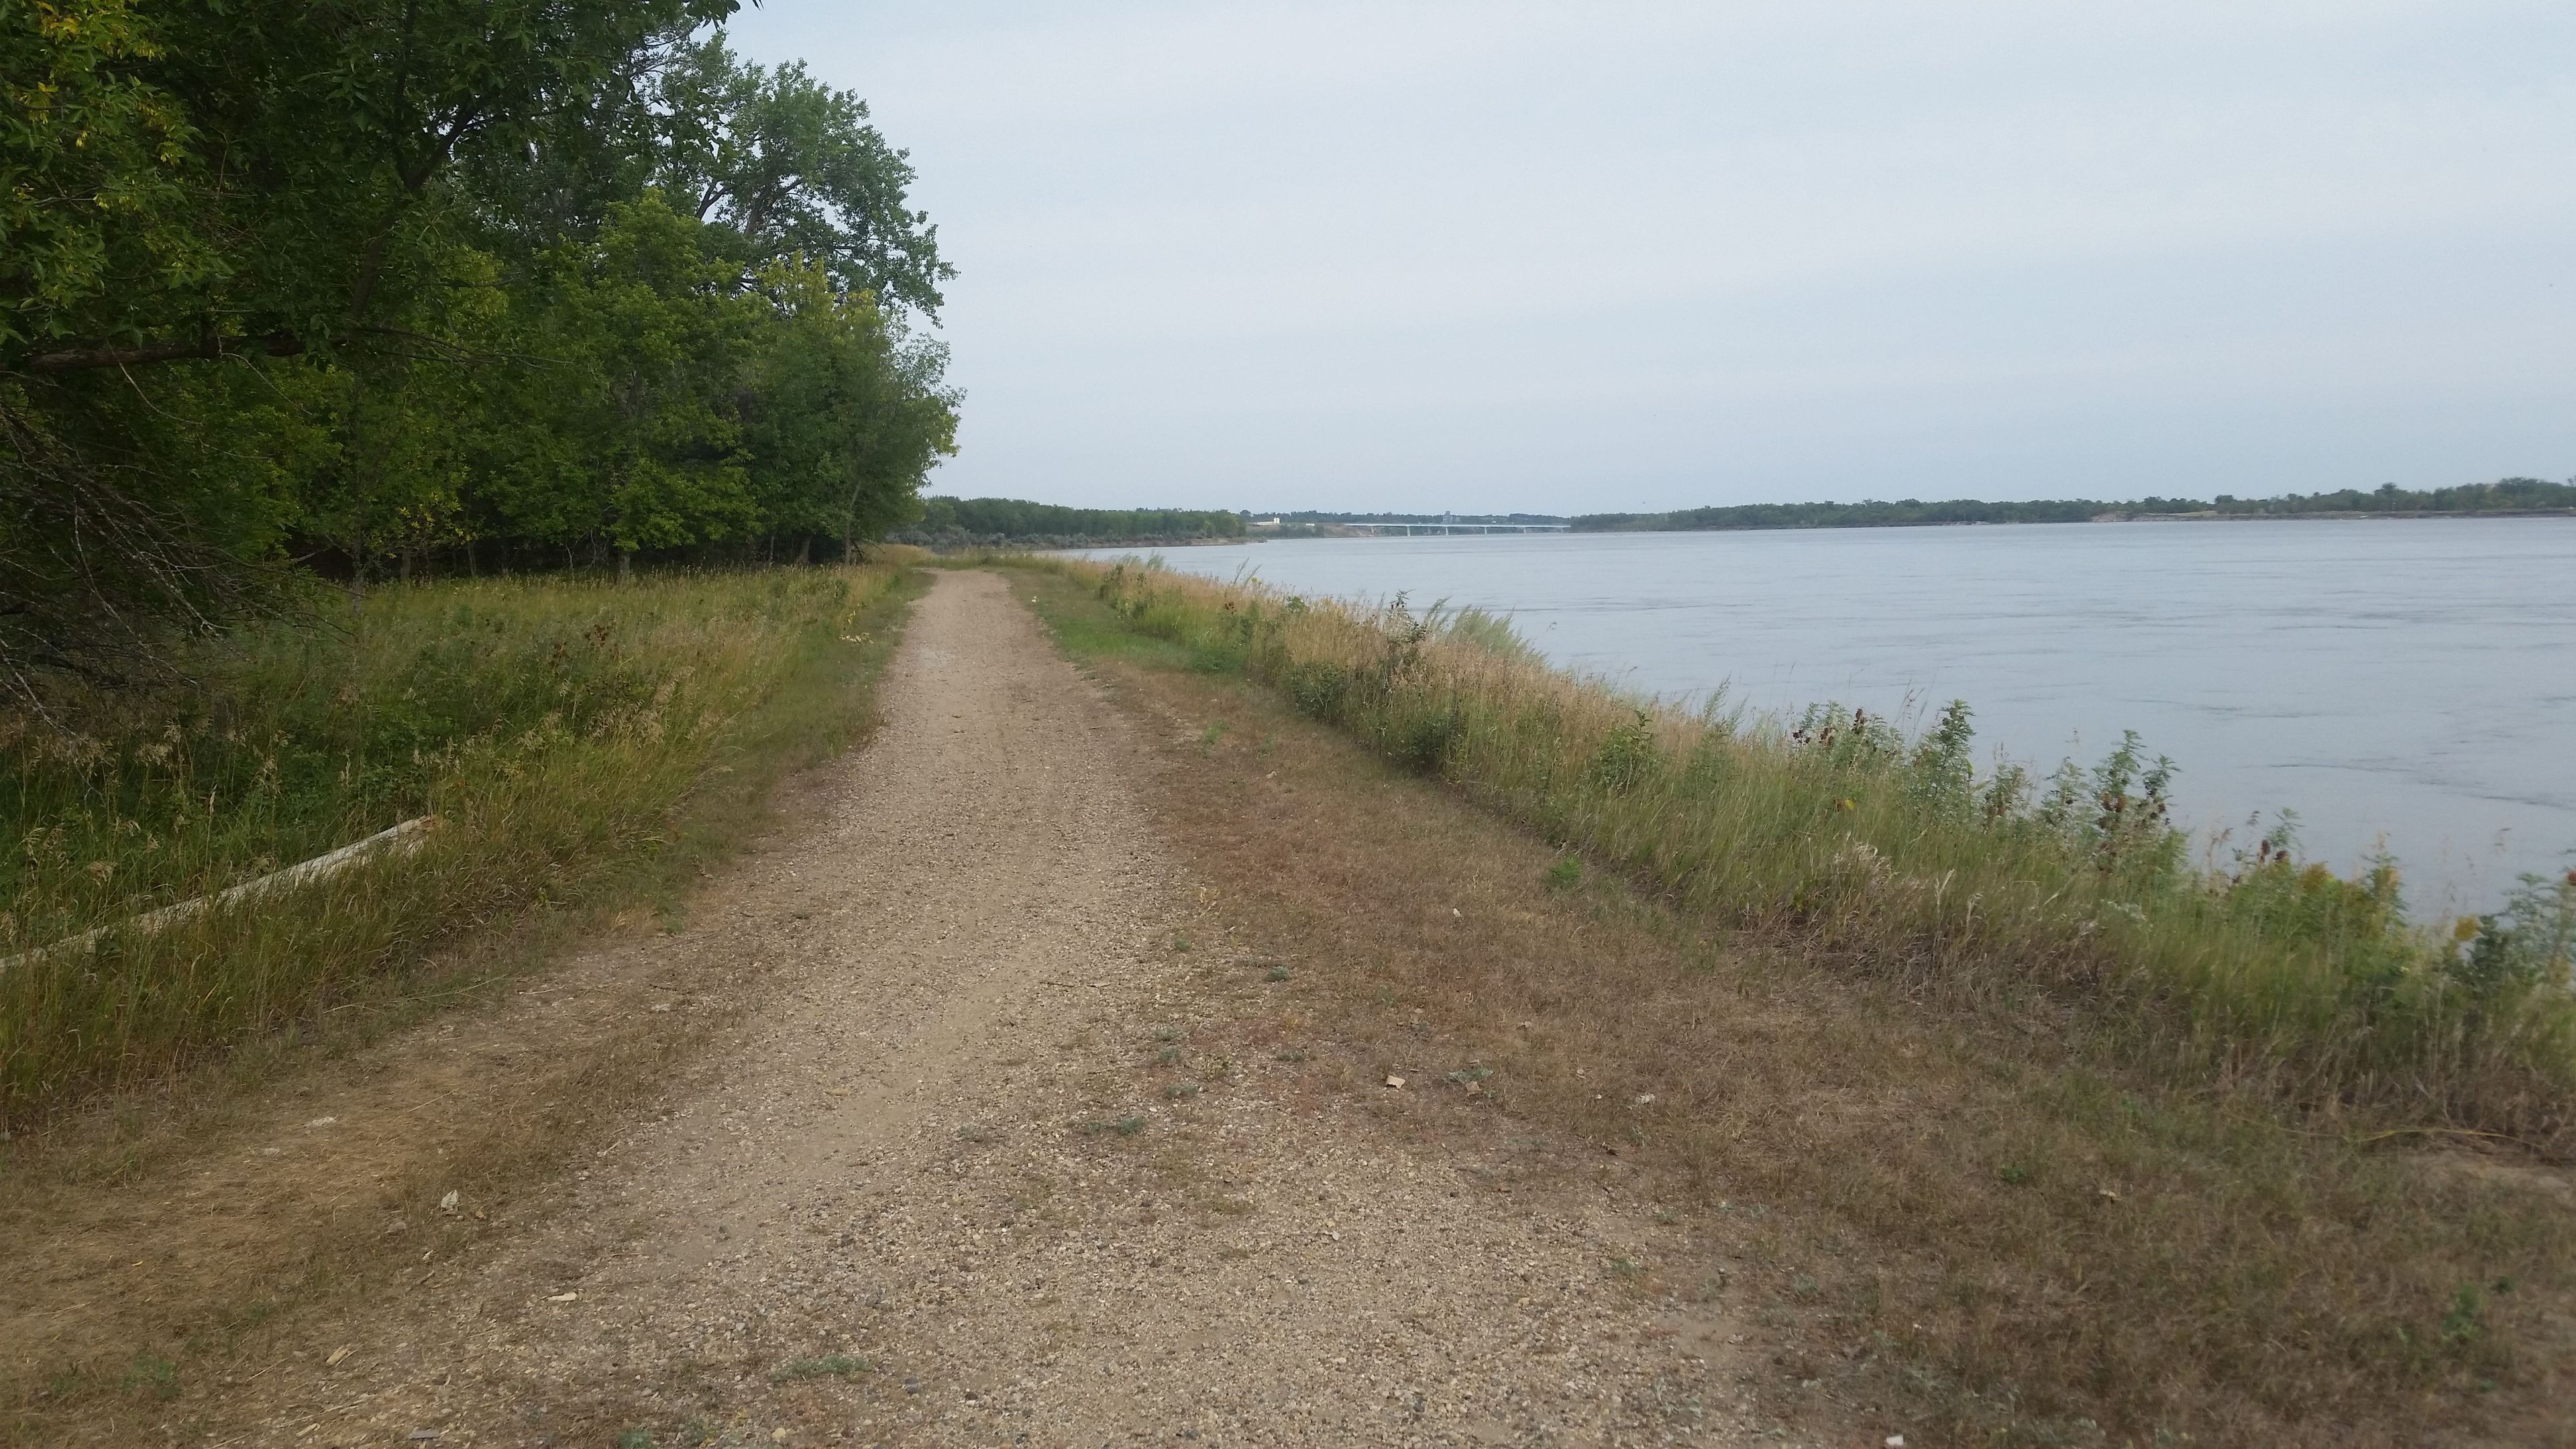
[625, 564]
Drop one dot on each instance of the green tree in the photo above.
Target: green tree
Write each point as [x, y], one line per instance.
[628, 433]
[847, 415]
[204, 202]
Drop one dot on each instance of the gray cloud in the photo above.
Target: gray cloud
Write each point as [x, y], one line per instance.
[1646, 255]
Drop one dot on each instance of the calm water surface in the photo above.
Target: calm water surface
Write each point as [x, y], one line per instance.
[2411, 683]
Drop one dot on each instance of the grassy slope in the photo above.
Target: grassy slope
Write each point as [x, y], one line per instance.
[580, 741]
[1961, 1206]
[295, 1240]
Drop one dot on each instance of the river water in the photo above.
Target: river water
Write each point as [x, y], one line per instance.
[2406, 684]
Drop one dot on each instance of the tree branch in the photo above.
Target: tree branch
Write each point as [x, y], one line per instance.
[205, 349]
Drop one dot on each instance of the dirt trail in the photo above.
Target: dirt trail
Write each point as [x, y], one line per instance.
[930, 1192]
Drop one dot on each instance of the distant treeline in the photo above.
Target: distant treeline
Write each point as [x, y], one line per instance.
[959, 522]
[2510, 495]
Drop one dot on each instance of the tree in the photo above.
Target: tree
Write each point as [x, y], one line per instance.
[847, 415]
[193, 192]
[374, 280]
[790, 167]
[626, 429]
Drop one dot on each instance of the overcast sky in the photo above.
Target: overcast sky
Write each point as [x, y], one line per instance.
[1575, 257]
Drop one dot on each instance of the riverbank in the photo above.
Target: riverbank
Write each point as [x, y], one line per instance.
[1981, 1189]
[2391, 687]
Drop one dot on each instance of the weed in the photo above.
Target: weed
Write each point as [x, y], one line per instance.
[1181, 1091]
[152, 1377]
[1565, 875]
[2465, 1323]
[1123, 1126]
[1169, 1056]
[834, 1365]
[1170, 1033]
[1275, 973]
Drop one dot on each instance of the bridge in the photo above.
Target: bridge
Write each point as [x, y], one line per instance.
[1448, 527]
[1447, 524]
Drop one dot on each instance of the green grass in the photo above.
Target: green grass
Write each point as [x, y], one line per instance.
[557, 729]
[1892, 856]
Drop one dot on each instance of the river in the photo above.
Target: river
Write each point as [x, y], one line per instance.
[2399, 684]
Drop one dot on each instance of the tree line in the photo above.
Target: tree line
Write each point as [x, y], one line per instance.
[2509, 495]
[370, 286]
[965, 522]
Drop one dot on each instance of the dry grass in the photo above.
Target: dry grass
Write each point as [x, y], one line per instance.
[553, 726]
[1977, 1211]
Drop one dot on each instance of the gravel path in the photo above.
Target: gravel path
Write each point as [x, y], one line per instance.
[962, 1175]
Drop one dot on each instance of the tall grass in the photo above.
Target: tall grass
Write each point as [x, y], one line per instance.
[551, 725]
[1893, 856]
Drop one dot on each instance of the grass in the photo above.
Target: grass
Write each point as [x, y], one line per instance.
[1958, 1189]
[1894, 858]
[556, 729]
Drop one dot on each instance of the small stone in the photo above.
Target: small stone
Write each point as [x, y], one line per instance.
[1396, 1082]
